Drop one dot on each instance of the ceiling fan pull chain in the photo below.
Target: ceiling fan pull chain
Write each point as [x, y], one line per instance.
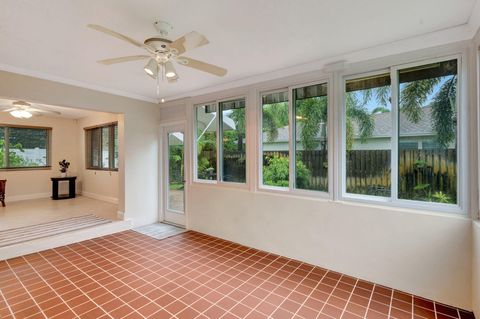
[158, 84]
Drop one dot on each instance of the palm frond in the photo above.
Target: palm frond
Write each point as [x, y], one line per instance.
[414, 95]
[444, 113]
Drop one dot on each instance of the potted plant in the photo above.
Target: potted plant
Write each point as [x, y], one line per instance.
[63, 167]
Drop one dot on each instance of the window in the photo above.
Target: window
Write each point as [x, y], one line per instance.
[306, 142]
[428, 112]
[275, 139]
[221, 158]
[310, 108]
[206, 141]
[417, 134]
[102, 147]
[232, 141]
[27, 147]
[368, 132]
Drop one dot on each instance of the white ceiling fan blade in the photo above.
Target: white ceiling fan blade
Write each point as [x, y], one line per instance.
[115, 34]
[123, 59]
[38, 110]
[189, 41]
[9, 109]
[202, 66]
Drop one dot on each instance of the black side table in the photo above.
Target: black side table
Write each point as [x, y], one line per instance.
[71, 187]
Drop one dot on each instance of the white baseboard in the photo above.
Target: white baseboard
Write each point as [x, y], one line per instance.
[63, 239]
[109, 199]
[120, 215]
[16, 198]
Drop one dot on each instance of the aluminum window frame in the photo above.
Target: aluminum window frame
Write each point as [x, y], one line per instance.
[462, 152]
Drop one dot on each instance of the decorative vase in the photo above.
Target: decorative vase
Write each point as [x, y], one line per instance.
[63, 174]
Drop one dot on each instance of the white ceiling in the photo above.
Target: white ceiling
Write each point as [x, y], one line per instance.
[65, 112]
[248, 37]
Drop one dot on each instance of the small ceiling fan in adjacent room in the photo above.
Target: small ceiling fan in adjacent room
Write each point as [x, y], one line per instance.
[162, 53]
[25, 110]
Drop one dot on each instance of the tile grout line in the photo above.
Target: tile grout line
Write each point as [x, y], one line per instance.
[73, 283]
[232, 267]
[162, 276]
[28, 292]
[311, 292]
[50, 286]
[103, 286]
[349, 298]
[285, 298]
[370, 300]
[329, 295]
[390, 305]
[6, 303]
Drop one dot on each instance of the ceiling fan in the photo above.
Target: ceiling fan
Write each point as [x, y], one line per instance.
[24, 110]
[162, 52]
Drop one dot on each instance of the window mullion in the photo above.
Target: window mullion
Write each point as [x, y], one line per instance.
[292, 140]
[394, 139]
[219, 127]
[7, 148]
[111, 147]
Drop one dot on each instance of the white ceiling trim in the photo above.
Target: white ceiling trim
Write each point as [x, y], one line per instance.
[54, 78]
[437, 38]
[474, 20]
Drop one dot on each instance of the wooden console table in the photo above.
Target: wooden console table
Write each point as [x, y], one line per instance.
[71, 187]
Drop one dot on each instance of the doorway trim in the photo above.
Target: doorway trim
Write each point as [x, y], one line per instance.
[162, 169]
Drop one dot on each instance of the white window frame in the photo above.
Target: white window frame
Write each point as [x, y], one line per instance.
[219, 149]
[260, 141]
[291, 190]
[462, 152]
[195, 147]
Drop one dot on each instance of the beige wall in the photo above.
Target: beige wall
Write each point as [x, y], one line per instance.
[138, 171]
[29, 184]
[476, 269]
[98, 184]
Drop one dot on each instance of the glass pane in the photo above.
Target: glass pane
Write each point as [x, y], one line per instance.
[27, 147]
[427, 144]
[175, 171]
[95, 147]
[275, 139]
[368, 122]
[206, 118]
[233, 141]
[311, 155]
[115, 147]
[105, 146]
[2, 147]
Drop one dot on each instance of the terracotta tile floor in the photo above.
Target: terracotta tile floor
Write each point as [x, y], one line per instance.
[191, 275]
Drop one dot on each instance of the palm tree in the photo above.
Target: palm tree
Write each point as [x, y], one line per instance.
[312, 112]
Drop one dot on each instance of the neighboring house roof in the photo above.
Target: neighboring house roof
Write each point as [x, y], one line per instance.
[383, 127]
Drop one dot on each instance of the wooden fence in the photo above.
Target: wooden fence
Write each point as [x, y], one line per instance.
[368, 171]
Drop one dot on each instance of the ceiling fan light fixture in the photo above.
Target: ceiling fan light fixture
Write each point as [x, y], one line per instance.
[21, 114]
[151, 68]
[170, 70]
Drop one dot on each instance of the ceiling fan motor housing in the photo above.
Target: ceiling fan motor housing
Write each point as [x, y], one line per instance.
[160, 45]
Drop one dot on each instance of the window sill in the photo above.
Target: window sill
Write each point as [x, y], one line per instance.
[102, 169]
[209, 183]
[39, 168]
[299, 193]
[403, 205]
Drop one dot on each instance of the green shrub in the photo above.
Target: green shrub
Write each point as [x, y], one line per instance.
[275, 173]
